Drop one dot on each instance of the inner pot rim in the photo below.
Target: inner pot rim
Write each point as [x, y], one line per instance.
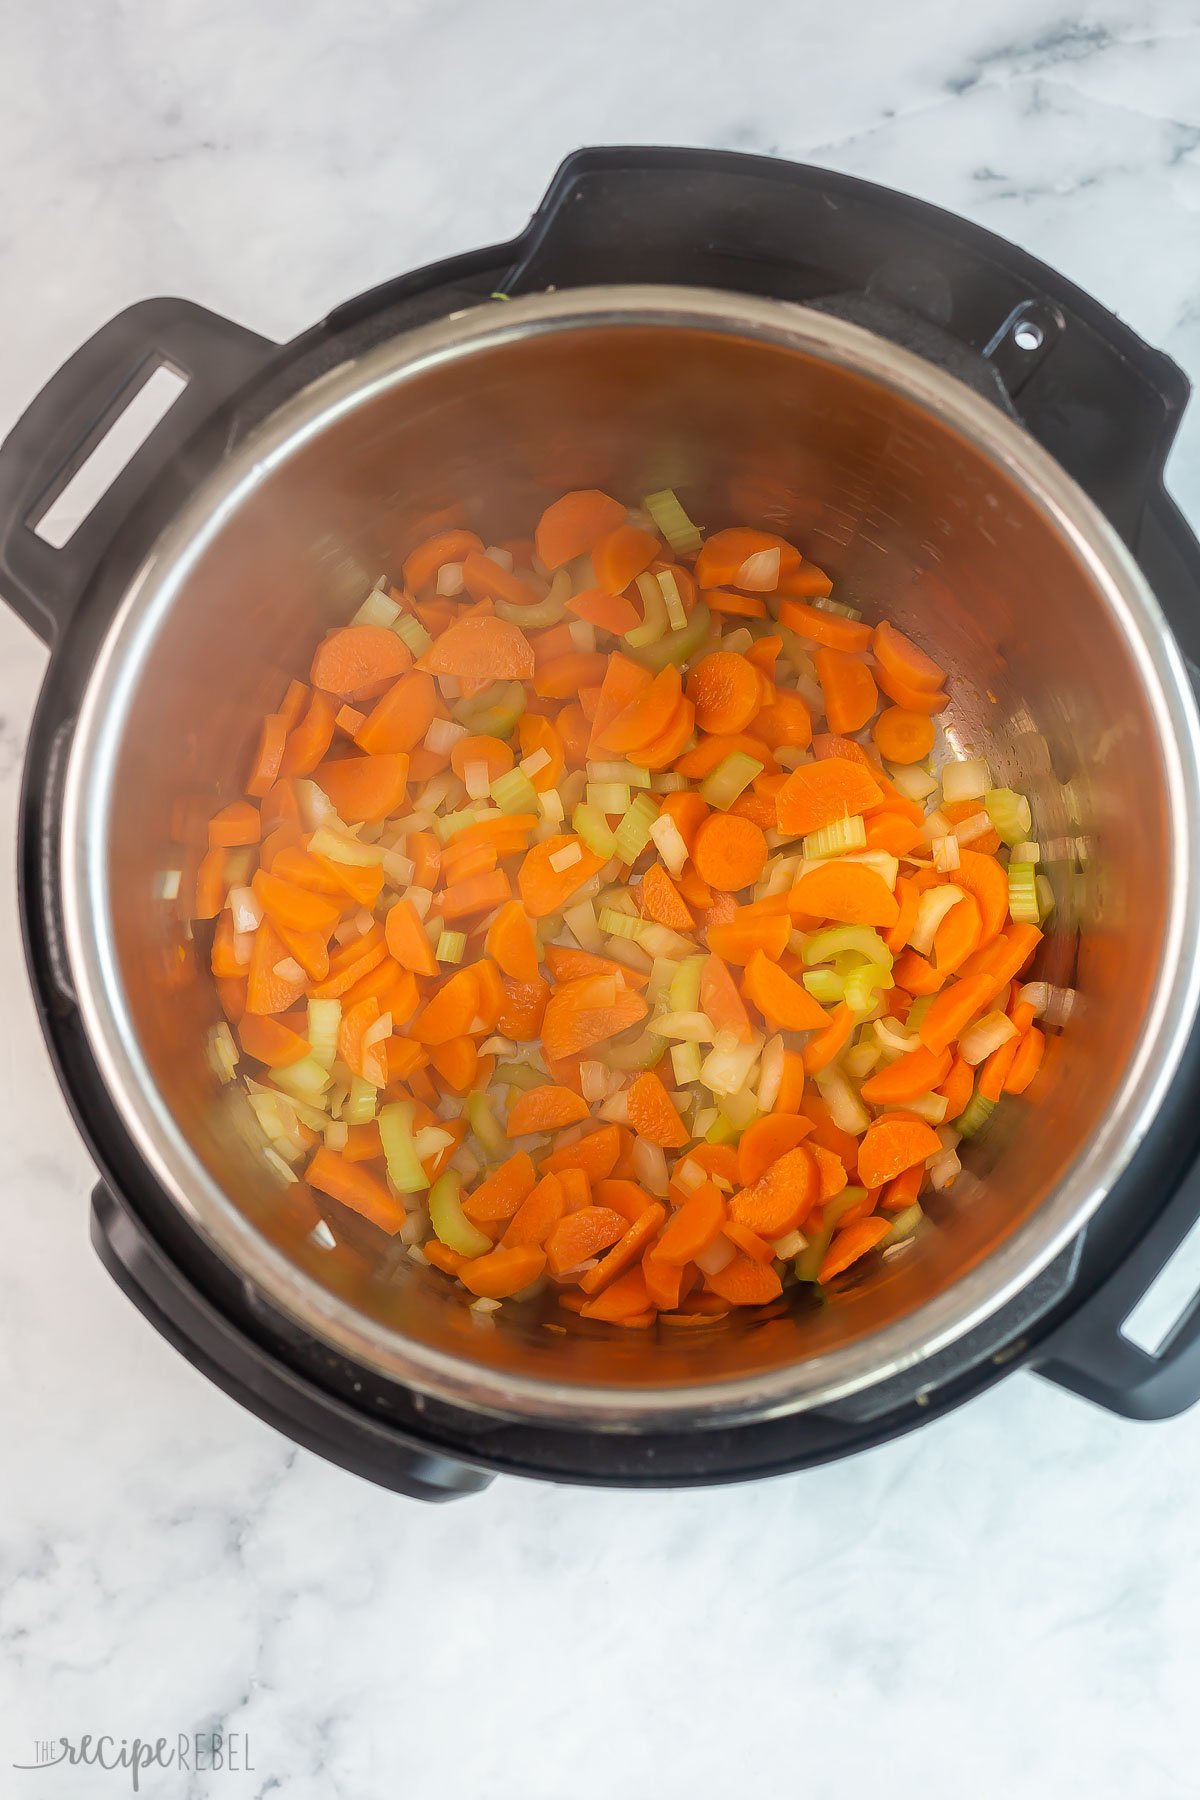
[798, 1386]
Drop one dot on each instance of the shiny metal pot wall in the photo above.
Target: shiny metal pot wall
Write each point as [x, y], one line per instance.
[924, 501]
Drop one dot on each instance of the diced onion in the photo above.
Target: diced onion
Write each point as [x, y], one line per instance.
[581, 922]
[420, 899]
[593, 1079]
[244, 905]
[503, 559]
[615, 1109]
[913, 781]
[223, 1051]
[583, 634]
[550, 805]
[759, 574]
[443, 734]
[717, 1257]
[398, 869]
[894, 1038]
[650, 1167]
[477, 779]
[1025, 852]
[945, 854]
[450, 579]
[288, 969]
[243, 948]
[770, 1073]
[790, 1246]
[967, 780]
[668, 841]
[687, 1027]
[685, 1063]
[845, 1108]
[676, 614]
[943, 1168]
[689, 1175]
[986, 1035]
[566, 858]
[932, 908]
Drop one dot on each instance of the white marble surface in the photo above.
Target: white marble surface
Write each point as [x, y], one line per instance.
[1003, 1605]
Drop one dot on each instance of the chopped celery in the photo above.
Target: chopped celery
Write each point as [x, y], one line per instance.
[1045, 898]
[450, 946]
[731, 777]
[633, 833]
[836, 839]
[864, 984]
[684, 992]
[903, 1225]
[540, 613]
[621, 924]
[324, 1017]
[917, 1011]
[494, 713]
[677, 646]
[409, 629]
[1009, 813]
[449, 1220]
[1022, 894]
[722, 1131]
[514, 792]
[824, 603]
[626, 772]
[483, 1123]
[519, 1075]
[971, 1121]
[396, 1133]
[360, 1103]
[676, 612]
[655, 623]
[685, 1062]
[688, 1027]
[305, 1078]
[592, 827]
[377, 609]
[645, 1050]
[609, 797]
[671, 520]
[808, 1264]
[448, 825]
[823, 946]
[340, 847]
[825, 987]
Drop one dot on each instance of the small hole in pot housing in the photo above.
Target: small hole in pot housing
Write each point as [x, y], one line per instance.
[1028, 335]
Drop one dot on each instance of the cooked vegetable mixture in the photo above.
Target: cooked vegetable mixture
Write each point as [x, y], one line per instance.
[594, 924]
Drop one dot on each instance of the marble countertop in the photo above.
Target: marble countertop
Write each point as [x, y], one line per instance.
[1001, 1605]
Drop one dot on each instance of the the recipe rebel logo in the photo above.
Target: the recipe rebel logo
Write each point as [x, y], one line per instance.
[197, 1752]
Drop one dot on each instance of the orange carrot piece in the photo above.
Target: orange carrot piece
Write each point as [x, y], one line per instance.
[512, 944]
[537, 1215]
[293, 703]
[791, 1089]
[784, 720]
[354, 658]
[784, 1003]
[849, 1245]
[662, 751]
[500, 1273]
[662, 1280]
[503, 1191]
[580, 1236]
[722, 556]
[652, 1113]
[443, 1257]
[624, 1302]
[957, 935]
[730, 853]
[821, 793]
[724, 689]
[623, 1196]
[268, 756]
[476, 894]
[621, 555]
[566, 964]
[892, 831]
[626, 1251]
[545, 890]
[782, 1197]
[744, 1282]
[902, 736]
[765, 1140]
[953, 1009]
[902, 659]
[847, 891]
[546, 1108]
[720, 999]
[742, 939]
[457, 1062]
[451, 1011]
[985, 879]
[693, 1226]
[407, 940]
[234, 825]
[823, 1046]
[481, 649]
[533, 734]
[688, 812]
[365, 789]
[422, 564]
[646, 717]
[849, 689]
[607, 612]
[623, 681]
[596, 1155]
[1026, 1062]
[889, 1147]
[661, 900]
[308, 741]
[821, 627]
[917, 1072]
[495, 755]
[711, 751]
[487, 582]
[569, 1027]
[270, 1041]
[293, 908]
[353, 1185]
[739, 606]
[748, 1241]
[573, 525]
[400, 718]
[912, 699]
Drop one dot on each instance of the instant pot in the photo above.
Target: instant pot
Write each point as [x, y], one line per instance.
[967, 442]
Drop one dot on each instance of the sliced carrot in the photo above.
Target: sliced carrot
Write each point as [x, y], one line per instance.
[912, 699]
[652, 1113]
[566, 964]
[952, 1010]
[581, 1235]
[821, 793]
[481, 648]
[985, 879]
[627, 1250]
[957, 935]
[309, 740]
[520, 1018]
[661, 752]
[293, 703]
[646, 716]
[688, 811]
[623, 1196]
[847, 891]
[512, 944]
[569, 674]
[457, 1062]
[536, 734]
[917, 1072]
[623, 1302]
[730, 853]
[782, 1197]
[573, 525]
[661, 900]
[723, 555]
[545, 1109]
[748, 1242]
[537, 1215]
[889, 1147]
[784, 1003]
[744, 938]
[499, 1196]
[268, 756]
[623, 681]
[293, 908]
[574, 729]
[849, 689]
[407, 939]
[662, 1280]
[902, 736]
[721, 1001]
[821, 627]
[765, 1140]
[270, 1041]
[739, 606]
[422, 564]
[806, 583]
[823, 1046]
[451, 1011]
[237, 824]
[365, 789]
[621, 554]
[725, 692]
[902, 659]
[443, 1257]
[495, 755]
[1026, 1062]
[712, 751]
[500, 1273]
[596, 1155]
[486, 581]
[353, 658]
[545, 890]
[784, 720]
[693, 1226]
[744, 1282]
[850, 1244]
[791, 1088]
[607, 612]
[475, 894]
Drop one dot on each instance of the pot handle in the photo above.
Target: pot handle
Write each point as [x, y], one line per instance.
[264, 1384]
[1090, 1353]
[72, 415]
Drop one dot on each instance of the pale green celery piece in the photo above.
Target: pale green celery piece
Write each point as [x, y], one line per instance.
[305, 1078]
[448, 825]
[592, 827]
[1023, 904]
[450, 946]
[324, 1018]
[633, 833]
[671, 520]
[519, 1075]
[836, 839]
[409, 629]
[494, 713]
[403, 1165]
[823, 946]
[676, 612]
[621, 925]
[971, 1121]
[807, 1265]
[609, 797]
[450, 1222]
[684, 992]
[360, 1103]
[1009, 813]
[731, 777]
[863, 984]
[825, 603]
[826, 987]
[655, 622]
[903, 1225]
[722, 1131]
[483, 1123]
[685, 1063]
[514, 792]
[917, 1011]
[677, 646]
[534, 617]
[643, 1053]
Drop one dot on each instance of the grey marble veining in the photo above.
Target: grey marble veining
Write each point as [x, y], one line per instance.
[1003, 1605]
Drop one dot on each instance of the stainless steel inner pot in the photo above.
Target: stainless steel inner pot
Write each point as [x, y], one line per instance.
[926, 503]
